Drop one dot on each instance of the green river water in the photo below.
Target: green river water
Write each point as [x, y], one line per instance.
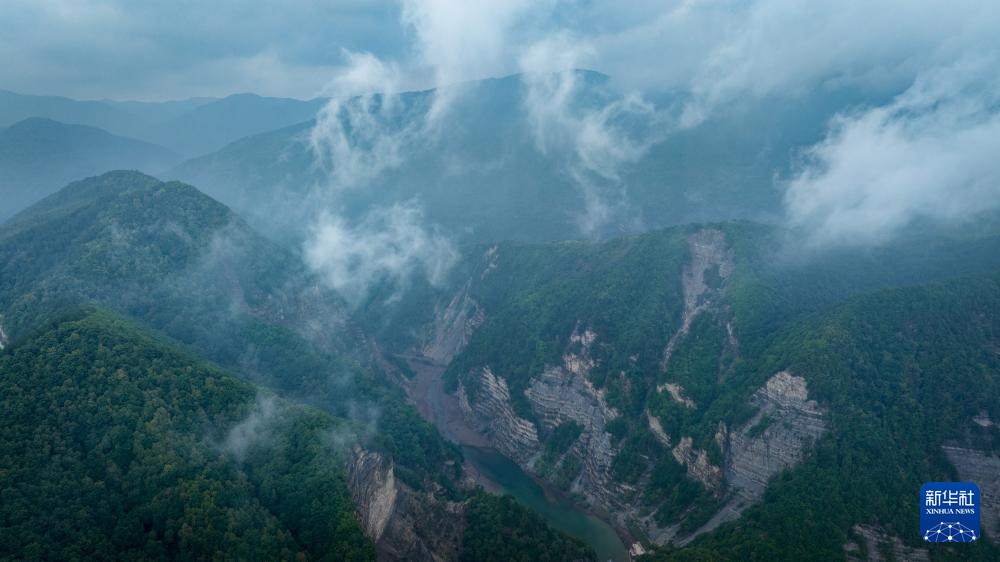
[560, 514]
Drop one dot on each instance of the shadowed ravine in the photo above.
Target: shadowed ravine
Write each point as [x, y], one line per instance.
[498, 474]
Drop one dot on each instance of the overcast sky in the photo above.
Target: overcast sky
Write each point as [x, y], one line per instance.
[168, 49]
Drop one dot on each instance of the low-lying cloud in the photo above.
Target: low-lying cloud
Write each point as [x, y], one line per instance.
[930, 154]
[253, 430]
[388, 245]
[593, 138]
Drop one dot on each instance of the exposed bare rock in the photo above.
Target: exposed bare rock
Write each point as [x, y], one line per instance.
[423, 527]
[982, 419]
[373, 487]
[559, 395]
[785, 426]
[657, 429]
[983, 469]
[677, 393]
[708, 250]
[3, 337]
[877, 541]
[698, 466]
[453, 326]
[492, 257]
[492, 414]
[403, 524]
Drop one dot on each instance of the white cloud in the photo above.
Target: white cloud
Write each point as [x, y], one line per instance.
[594, 138]
[930, 154]
[387, 245]
[252, 430]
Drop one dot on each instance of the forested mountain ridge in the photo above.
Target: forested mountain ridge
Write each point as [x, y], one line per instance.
[120, 445]
[646, 375]
[181, 263]
[173, 259]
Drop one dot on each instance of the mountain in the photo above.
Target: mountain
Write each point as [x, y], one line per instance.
[173, 260]
[709, 386]
[16, 107]
[482, 176]
[179, 262]
[38, 156]
[117, 445]
[213, 125]
[188, 127]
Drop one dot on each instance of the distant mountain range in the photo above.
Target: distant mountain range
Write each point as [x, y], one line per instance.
[39, 155]
[188, 127]
[485, 177]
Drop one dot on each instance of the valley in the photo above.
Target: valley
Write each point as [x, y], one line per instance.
[499, 281]
[497, 474]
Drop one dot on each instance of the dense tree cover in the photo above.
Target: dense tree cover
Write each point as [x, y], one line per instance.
[175, 260]
[500, 529]
[106, 452]
[542, 293]
[628, 291]
[903, 371]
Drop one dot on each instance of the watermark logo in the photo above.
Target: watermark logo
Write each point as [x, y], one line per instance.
[949, 511]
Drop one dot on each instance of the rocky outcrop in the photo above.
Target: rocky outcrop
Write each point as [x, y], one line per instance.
[563, 393]
[656, 427]
[983, 469]
[676, 393]
[878, 541]
[491, 412]
[698, 466]
[3, 337]
[708, 252]
[453, 325]
[373, 488]
[403, 524]
[786, 425]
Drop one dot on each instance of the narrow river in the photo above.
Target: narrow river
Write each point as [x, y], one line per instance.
[497, 473]
[561, 515]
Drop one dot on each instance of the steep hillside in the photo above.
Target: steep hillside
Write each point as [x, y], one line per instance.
[117, 445]
[175, 260]
[38, 156]
[178, 261]
[654, 377]
[909, 378]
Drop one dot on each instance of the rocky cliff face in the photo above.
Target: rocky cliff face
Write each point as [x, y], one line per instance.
[453, 325]
[373, 488]
[984, 469]
[877, 542]
[403, 524]
[492, 414]
[563, 393]
[709, 254]
[785, 426]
